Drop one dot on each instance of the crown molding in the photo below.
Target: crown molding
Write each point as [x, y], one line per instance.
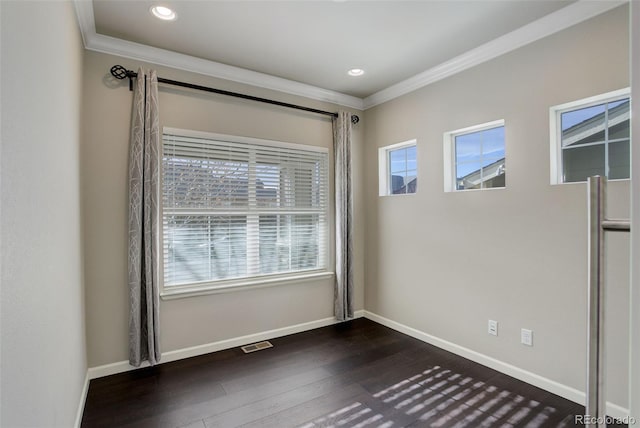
[124, 48]
[127, 49]
[564, 18]
[86, 21]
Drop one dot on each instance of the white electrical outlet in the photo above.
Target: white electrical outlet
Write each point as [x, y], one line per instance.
[493, 327]
[526, 337]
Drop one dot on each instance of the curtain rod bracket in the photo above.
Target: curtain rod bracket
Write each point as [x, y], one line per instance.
[119, 72]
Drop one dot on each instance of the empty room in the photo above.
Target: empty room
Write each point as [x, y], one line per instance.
[330, 213]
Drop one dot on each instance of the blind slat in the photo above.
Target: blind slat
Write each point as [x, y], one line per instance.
[234, 209]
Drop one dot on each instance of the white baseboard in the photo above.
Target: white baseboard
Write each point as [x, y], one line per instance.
[83, 399]
[552, 386]
[179, 354]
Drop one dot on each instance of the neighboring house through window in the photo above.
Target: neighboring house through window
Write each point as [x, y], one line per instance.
[398, 169]
[238, 209]
[591, 137]
[474, 157]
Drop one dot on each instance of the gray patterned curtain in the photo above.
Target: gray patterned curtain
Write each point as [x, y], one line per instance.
[344, 216]
[144, 153]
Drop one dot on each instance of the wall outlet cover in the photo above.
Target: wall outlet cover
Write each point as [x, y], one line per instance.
[526, 337]
[493, 328]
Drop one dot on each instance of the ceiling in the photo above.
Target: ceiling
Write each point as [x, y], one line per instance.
[315, 43]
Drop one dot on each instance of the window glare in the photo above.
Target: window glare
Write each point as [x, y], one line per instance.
[466, 169]
[480, 159]
[402, 176]
[493, 134]
[493, 142]
[595, 141]
[468, 147]
[398, 155]
[572, 118]
[615, 104]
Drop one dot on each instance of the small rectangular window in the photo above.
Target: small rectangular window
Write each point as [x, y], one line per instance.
[398, 169]
[475, 157]
[591, 137]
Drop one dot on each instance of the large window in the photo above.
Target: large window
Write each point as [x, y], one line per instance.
[591, 137]
[237, 209]
[398, 169]
[474, 157]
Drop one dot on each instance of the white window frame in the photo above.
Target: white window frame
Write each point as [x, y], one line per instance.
[555, 136]
[259, 281]
[384, 172]
[449, 154]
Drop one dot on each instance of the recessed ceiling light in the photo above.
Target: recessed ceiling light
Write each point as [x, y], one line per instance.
[163, 12]
[356, 72]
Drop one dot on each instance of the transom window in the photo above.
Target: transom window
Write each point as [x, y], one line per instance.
[475, 157]
[591, 137]
[398, 169]
[237, 208]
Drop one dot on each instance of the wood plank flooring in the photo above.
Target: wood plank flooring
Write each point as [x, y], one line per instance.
[357, 374]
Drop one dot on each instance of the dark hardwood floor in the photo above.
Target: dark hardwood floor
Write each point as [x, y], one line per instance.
[354, 374]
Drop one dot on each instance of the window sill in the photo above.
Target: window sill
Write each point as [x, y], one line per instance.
[179, 292]
[614, 180]
[393, 195]
[486, 189]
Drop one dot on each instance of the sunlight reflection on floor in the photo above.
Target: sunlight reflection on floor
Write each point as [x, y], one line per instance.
[440, 397]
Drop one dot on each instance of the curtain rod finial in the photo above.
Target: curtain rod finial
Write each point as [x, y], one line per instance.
[119, 72]
[354, 119]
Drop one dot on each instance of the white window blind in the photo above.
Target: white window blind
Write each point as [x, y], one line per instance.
[237, 208]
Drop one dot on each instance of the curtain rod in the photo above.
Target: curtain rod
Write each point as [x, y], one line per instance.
[119, 72]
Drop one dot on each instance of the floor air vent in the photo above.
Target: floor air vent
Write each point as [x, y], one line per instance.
[257, 347]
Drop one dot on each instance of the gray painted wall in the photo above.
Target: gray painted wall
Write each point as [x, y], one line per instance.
[195, 320]
[445, 263]
[43, 336]
[441, 263]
